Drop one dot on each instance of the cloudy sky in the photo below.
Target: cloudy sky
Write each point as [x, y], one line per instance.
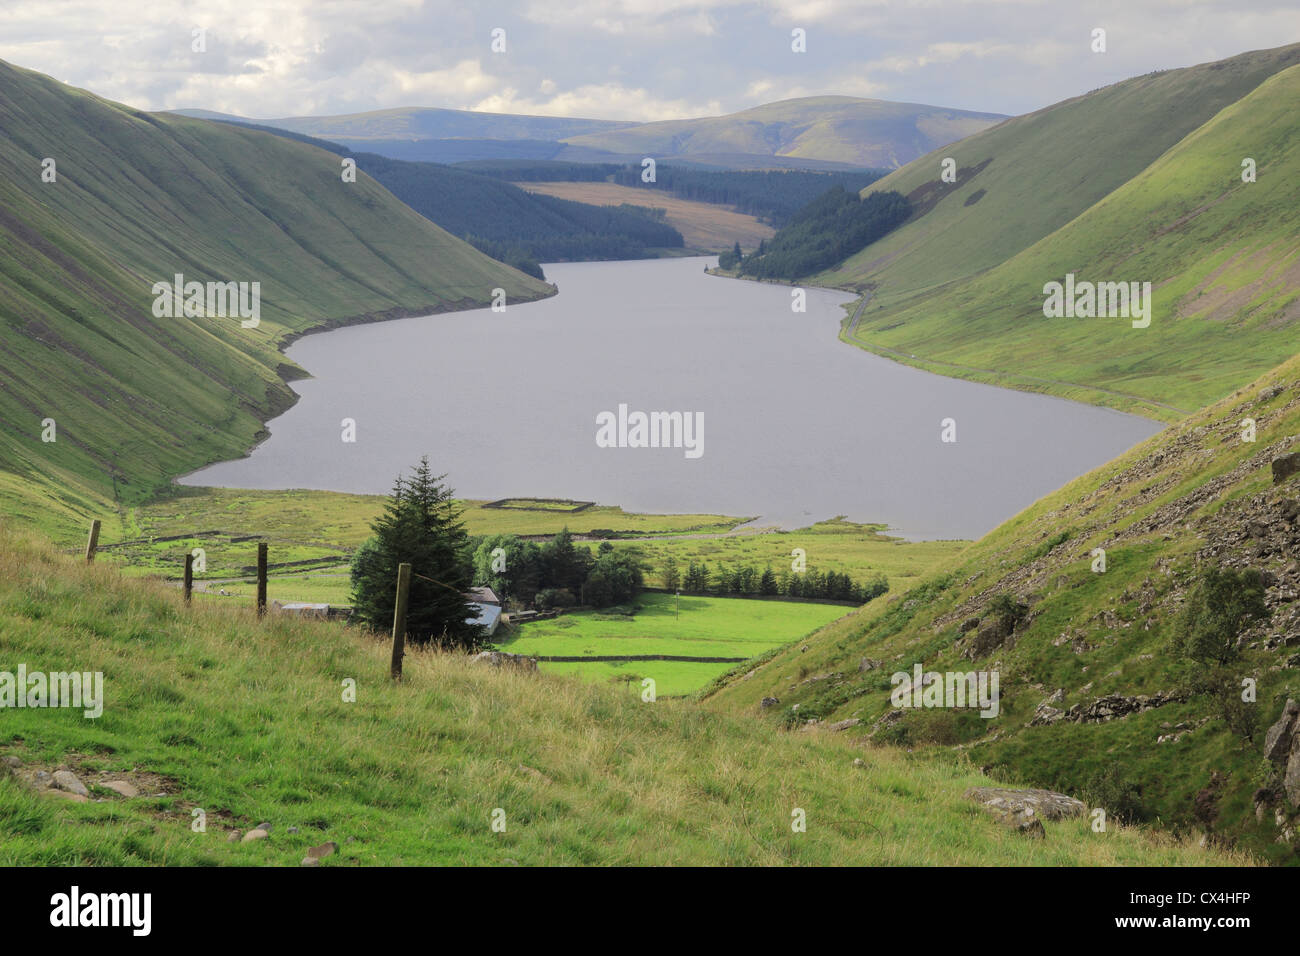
[618, 59]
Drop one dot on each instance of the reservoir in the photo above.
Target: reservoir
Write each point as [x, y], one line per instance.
[787, 423]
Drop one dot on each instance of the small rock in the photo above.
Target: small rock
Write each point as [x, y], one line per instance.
[310, 861]
[233, 836]
[67, 780]
[769, 702]
[10, 761]
[293, 829]
[324, 850]
[859, 762]
[121, 788]
[846, 724]
[255, 834]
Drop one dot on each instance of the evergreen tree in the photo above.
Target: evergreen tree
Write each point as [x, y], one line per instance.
[421, 524]
[672, 578]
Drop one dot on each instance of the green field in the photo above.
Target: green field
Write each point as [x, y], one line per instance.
[323, 528]
[208, 708]
[859, 550]
[701, 627]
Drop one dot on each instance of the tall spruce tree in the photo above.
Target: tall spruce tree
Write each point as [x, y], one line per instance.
[421, 524]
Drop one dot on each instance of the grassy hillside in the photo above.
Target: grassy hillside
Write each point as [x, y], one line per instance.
[1220, 253]
[1194, 497]
[1027, 177]
[207, 708]
[138, 198]
[845, 129]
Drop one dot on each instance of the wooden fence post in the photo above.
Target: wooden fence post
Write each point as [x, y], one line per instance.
[93, 541]
[261, 578]
[399, 619]
[189, 575]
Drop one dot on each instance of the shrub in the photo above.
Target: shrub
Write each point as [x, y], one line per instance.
[1221, 604]
[1120, 797]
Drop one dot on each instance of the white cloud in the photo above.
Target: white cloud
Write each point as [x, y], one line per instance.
[624, 59]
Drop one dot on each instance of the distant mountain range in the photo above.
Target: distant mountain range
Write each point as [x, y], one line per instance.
[824, 132]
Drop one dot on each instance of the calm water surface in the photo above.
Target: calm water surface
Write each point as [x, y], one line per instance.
[797, 425]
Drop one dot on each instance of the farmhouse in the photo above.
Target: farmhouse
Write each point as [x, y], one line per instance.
[488, 617]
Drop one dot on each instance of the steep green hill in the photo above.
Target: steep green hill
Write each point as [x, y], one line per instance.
[207, 708]
[138, 198]
[1077, 645]
[1029, 176]
[1137, 182]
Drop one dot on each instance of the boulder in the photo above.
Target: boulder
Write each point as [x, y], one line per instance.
[1285, 467]
[255, 834]
[769, 702]
[1027, 804]
[511, 661]
[1277, 742]
[846, 724]
[988, 639]
[867, 664]
[121, 788]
